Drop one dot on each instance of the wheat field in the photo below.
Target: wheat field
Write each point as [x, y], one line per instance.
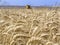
[36, 26]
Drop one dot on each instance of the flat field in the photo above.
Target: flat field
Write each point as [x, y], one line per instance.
[36, 26]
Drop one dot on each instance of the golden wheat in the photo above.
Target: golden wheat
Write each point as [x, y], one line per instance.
[36, 26]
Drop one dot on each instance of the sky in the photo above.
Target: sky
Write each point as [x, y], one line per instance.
[30, 2]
